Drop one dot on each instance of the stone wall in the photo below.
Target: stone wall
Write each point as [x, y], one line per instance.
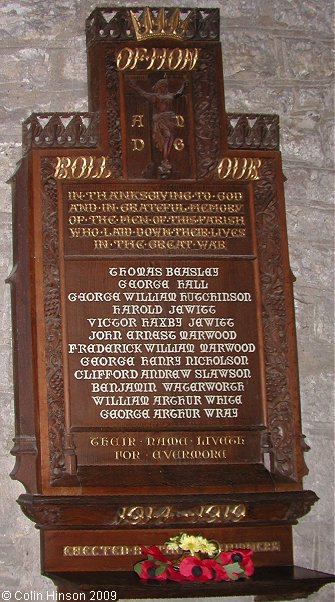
[277, 59]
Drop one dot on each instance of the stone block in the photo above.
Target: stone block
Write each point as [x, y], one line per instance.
[312, 264]
[28, 20]
[313, 17]
[248, 55]
[311, 222]
[314, 357]
[326, 594]
[281, 15]
[309, 185]
[304, 305]
[317, 398]
[29, 66]
[308, 59]
[302, 102]
[300, 144]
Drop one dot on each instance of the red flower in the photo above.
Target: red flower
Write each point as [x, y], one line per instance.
[217, 570]
[155, 552]
[194, 569]
[147, 569]
[173, 574]
[243, 557]
[157, 566]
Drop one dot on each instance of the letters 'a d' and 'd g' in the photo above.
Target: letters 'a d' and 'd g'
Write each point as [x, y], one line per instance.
[154, 346]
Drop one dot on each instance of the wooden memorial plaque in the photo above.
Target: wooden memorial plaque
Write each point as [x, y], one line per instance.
[154, 341]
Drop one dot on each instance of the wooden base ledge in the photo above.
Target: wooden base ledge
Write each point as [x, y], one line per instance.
[268, 583]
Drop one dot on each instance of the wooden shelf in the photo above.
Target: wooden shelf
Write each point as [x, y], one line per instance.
[268, 583]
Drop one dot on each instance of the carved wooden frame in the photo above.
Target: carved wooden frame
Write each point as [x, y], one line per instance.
[280, 442]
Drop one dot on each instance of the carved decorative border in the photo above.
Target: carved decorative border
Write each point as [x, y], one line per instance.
[279, 401]
[113, 24]
[253, 131]
[101, 512]
[53, 331]
[60, 130]
[81, 130]
[113, 116]
[206, 118]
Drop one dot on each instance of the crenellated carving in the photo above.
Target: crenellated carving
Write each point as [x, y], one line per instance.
[253, 131]
[280, 403]
[60, 130]
[206, 109]
[108, 24]
[114, 24]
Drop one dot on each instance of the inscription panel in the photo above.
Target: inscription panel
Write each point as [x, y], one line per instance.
[167, 447]
[184, 219]
[101, 550]
[162, 344]
[148, 347]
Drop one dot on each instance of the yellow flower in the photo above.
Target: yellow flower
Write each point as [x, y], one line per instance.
[173, 546]
[207, 547]
[189, 542]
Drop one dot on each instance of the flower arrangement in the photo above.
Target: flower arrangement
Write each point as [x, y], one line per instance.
[201, 560]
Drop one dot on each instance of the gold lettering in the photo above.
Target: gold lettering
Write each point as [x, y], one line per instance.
[137, 121]
[101, 170]
[136, 514]
[193, 57]
[124, 58]
[179, 144]
[180, 121]
[178, 58]
[81, 163]
[162, 59]
[164, 513]
[137, 144]
[153, 58]
[81, 168]
[134, 550]
[140, 56]
[173, 59]
[239, 164]
[239, 168]
[61, 171]
[98, 245]
[254, 166]
[224, 168]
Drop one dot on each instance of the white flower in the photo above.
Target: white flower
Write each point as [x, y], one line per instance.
[172, 545]
[190, 542]
[207, 547]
